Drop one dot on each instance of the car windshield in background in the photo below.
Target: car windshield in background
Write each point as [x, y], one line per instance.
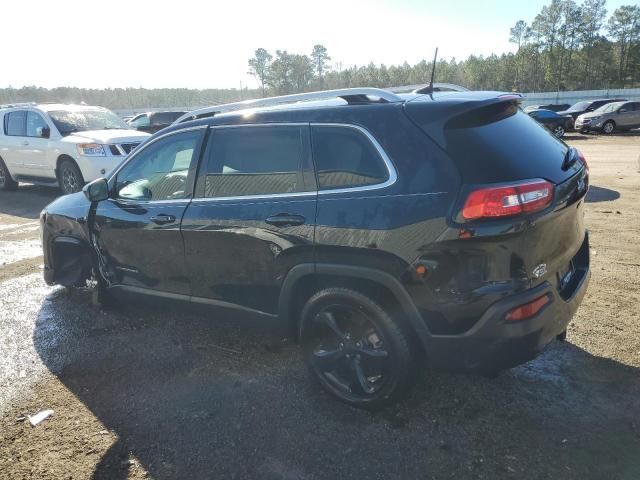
[79, 121]
[579, 106]
[609, 107]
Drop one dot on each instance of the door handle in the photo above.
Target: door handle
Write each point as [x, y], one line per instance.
[285, 219]
[163, 219]
[25, 143]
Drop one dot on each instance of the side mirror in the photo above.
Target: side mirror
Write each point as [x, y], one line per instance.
[97, 190]
[623, 110]
[43, 132]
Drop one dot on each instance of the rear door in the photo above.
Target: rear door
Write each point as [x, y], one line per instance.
[15, 137]
[630, 118]
[253, 218]
[138, 228]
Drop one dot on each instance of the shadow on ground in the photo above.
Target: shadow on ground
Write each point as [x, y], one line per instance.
[208, 396]
[601, 194]
[28, 201]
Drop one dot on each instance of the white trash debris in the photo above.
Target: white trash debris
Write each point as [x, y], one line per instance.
[39, 417]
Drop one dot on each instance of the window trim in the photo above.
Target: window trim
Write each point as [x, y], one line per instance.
[194, 167]
[391, 170]
[306, 164]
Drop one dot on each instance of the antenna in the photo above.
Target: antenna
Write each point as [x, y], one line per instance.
[433, 70]
[429, 88]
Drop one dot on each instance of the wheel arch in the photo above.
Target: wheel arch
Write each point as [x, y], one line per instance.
[61, 158]
[305, 279]
[71, 261]
[6, 168]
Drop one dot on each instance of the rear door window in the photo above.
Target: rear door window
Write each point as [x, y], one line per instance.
[255, 160]
[345, 158]
[15, 123]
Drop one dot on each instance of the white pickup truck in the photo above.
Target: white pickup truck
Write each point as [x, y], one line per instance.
[59, 144]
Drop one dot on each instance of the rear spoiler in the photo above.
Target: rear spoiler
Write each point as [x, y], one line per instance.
[433, 113]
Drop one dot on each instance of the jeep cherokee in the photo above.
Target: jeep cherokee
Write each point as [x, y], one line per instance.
[383, 229]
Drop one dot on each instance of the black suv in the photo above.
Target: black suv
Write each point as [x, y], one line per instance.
[153, 122]
[382, 229]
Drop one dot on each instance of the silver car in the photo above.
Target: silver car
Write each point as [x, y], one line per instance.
[610, 117]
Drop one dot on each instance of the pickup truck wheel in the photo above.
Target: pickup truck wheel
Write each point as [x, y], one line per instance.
[6, 182]
[69, 177]
[356, 351]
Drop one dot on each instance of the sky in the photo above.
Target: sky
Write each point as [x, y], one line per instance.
[207, 43]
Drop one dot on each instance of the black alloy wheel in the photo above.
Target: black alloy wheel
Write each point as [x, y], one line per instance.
[355, 349]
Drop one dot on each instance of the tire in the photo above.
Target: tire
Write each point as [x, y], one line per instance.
[558, 131]
[69, 177]
[609, 127]
[6, 182]
[355, 350]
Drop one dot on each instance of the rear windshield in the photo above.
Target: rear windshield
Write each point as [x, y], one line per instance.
[502, 143]
[579, 106]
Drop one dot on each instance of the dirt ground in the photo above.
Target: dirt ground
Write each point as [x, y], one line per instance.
[161, 393]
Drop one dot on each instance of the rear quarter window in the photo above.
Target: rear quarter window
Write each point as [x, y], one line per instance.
[345, 158]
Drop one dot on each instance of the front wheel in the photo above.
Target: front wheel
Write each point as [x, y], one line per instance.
[356, 351]
[558, 131]
[70, 177]
[608, 127]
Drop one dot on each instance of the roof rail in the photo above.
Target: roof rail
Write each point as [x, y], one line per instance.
[18, 104]
[437, 87]
[350, 95]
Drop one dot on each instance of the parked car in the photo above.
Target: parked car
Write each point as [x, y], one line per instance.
[556, 124]
[587, 106]
[554, 107]
[382, 229]
[611, 117]
[152, 122]
[65, 145]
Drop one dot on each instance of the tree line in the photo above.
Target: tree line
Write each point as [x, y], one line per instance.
[567, 46]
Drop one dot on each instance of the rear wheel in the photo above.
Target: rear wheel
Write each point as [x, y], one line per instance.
[608, 127]
[356, 351]
[6, 182]
[69, 177]
[558, 131]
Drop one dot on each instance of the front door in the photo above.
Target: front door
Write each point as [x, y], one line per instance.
[137, 230]
[35, 152]
[254, 215]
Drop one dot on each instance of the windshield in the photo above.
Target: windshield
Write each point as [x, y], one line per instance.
[579, 106]
[82, 120]
[609, 107]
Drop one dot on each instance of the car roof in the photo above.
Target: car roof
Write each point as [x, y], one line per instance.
[52, 107]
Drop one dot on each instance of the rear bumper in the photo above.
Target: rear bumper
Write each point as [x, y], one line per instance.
[494, 344]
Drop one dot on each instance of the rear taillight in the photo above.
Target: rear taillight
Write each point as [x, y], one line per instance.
[508, 200]
[527, 310]
[583, 160]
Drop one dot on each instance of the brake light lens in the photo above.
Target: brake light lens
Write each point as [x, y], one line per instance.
[527, 310]
[509, 200]
[583, 160]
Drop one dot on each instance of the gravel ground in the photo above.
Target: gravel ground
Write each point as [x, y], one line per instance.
[143, 392]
